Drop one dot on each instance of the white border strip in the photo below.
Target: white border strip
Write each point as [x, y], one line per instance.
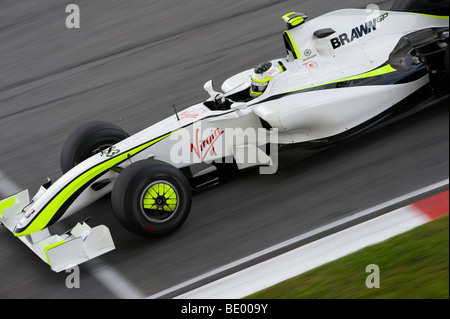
[300, 238]
[310, 256]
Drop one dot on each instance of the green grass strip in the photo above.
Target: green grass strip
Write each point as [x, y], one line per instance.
[413, 265]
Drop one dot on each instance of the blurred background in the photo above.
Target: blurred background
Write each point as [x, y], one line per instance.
[128, 63]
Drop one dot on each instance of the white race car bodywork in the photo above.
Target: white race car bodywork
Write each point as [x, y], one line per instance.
[314, 115]
[294, 104]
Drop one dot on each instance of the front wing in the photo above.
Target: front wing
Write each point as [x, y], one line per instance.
[60, 252]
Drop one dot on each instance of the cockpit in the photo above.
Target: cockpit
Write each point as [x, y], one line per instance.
[251, 84]
[245, 88]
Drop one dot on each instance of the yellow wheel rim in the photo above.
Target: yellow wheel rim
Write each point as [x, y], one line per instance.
[160, 196]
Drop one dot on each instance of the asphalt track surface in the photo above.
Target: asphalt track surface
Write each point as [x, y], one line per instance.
[128, 64]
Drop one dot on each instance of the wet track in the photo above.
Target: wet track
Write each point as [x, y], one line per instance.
[128, 64]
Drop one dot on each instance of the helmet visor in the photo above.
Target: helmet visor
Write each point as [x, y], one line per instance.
[258, 88]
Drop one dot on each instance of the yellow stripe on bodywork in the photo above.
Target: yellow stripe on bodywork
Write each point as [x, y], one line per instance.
[380, 71]
[47, 248]
[44, 217]
[6, 203]
[432, 16]
[297, 53]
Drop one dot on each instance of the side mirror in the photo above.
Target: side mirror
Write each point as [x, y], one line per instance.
[215, 96]
[210, 89]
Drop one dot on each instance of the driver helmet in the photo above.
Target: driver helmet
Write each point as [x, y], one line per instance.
[261, 76]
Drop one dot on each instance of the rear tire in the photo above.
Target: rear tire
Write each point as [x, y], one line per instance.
[88, 139]
[151, 198]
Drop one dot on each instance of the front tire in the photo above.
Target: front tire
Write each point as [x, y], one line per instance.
[88, 139]
[151, 198]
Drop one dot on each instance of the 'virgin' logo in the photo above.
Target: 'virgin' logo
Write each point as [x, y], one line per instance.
[203, 147]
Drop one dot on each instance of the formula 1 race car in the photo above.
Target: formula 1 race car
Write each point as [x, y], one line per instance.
[346, 72]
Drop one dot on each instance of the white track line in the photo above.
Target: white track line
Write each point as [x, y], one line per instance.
[301, 238]
[310, 256]
[113, 280]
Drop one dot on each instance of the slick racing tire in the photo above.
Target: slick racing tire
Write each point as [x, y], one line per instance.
[151, 198]
[88, 139]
